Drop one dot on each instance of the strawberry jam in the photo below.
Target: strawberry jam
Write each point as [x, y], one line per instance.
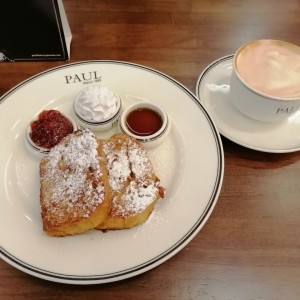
[50, 128]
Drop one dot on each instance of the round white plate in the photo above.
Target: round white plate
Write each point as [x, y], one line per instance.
[213, 91]
[190, 164]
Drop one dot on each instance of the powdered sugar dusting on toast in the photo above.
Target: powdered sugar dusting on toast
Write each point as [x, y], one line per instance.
[117, 165]
[140, 163]
[138, 196]
[72, 174]
[129, 163]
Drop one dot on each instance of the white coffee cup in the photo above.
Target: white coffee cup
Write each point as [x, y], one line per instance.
[265, 80]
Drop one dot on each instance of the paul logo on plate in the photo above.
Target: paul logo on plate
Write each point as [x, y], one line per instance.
[84, 78]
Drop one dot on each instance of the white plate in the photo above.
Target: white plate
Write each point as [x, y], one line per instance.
[213, 91]
[190, 164]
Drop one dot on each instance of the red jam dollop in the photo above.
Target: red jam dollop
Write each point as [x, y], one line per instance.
[50, 128]
[143, 121]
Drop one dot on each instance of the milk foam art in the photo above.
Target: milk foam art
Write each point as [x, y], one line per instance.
[265, 81]
[271, 67]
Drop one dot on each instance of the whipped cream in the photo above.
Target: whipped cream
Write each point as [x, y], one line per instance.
[96, 104]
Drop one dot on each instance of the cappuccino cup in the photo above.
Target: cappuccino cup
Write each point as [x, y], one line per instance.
[265, 80]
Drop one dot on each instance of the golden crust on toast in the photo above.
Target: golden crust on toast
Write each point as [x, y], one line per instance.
[74, 191]
[135, 188]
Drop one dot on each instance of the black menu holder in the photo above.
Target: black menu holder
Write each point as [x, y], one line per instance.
[34, 30]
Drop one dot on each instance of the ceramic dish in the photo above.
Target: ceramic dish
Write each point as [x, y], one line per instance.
[38, 149]
[103, 125]
[190, 164]
[150, 140]
[213, 91]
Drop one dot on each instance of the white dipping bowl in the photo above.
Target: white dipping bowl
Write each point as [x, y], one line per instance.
[103, 125]
[149, 141]
[33, 147]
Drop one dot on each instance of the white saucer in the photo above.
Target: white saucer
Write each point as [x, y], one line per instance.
[213, 91]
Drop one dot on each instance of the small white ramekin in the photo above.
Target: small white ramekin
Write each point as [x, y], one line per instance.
[103, 125]
[149, 141]
[37, 149]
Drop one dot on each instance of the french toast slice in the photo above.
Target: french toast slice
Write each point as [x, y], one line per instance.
[135, 188]
[74, 189]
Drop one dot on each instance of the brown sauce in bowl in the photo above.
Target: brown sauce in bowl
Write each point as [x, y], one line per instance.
[144, 121]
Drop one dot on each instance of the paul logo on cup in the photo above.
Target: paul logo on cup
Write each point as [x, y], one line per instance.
[265, 81]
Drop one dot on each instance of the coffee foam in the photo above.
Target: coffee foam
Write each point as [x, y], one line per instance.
[271, 67]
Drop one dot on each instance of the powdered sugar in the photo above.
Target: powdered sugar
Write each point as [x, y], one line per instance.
[118, 166]
[140, 163]
[128, 162]
[71, 173]
[138, 196]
